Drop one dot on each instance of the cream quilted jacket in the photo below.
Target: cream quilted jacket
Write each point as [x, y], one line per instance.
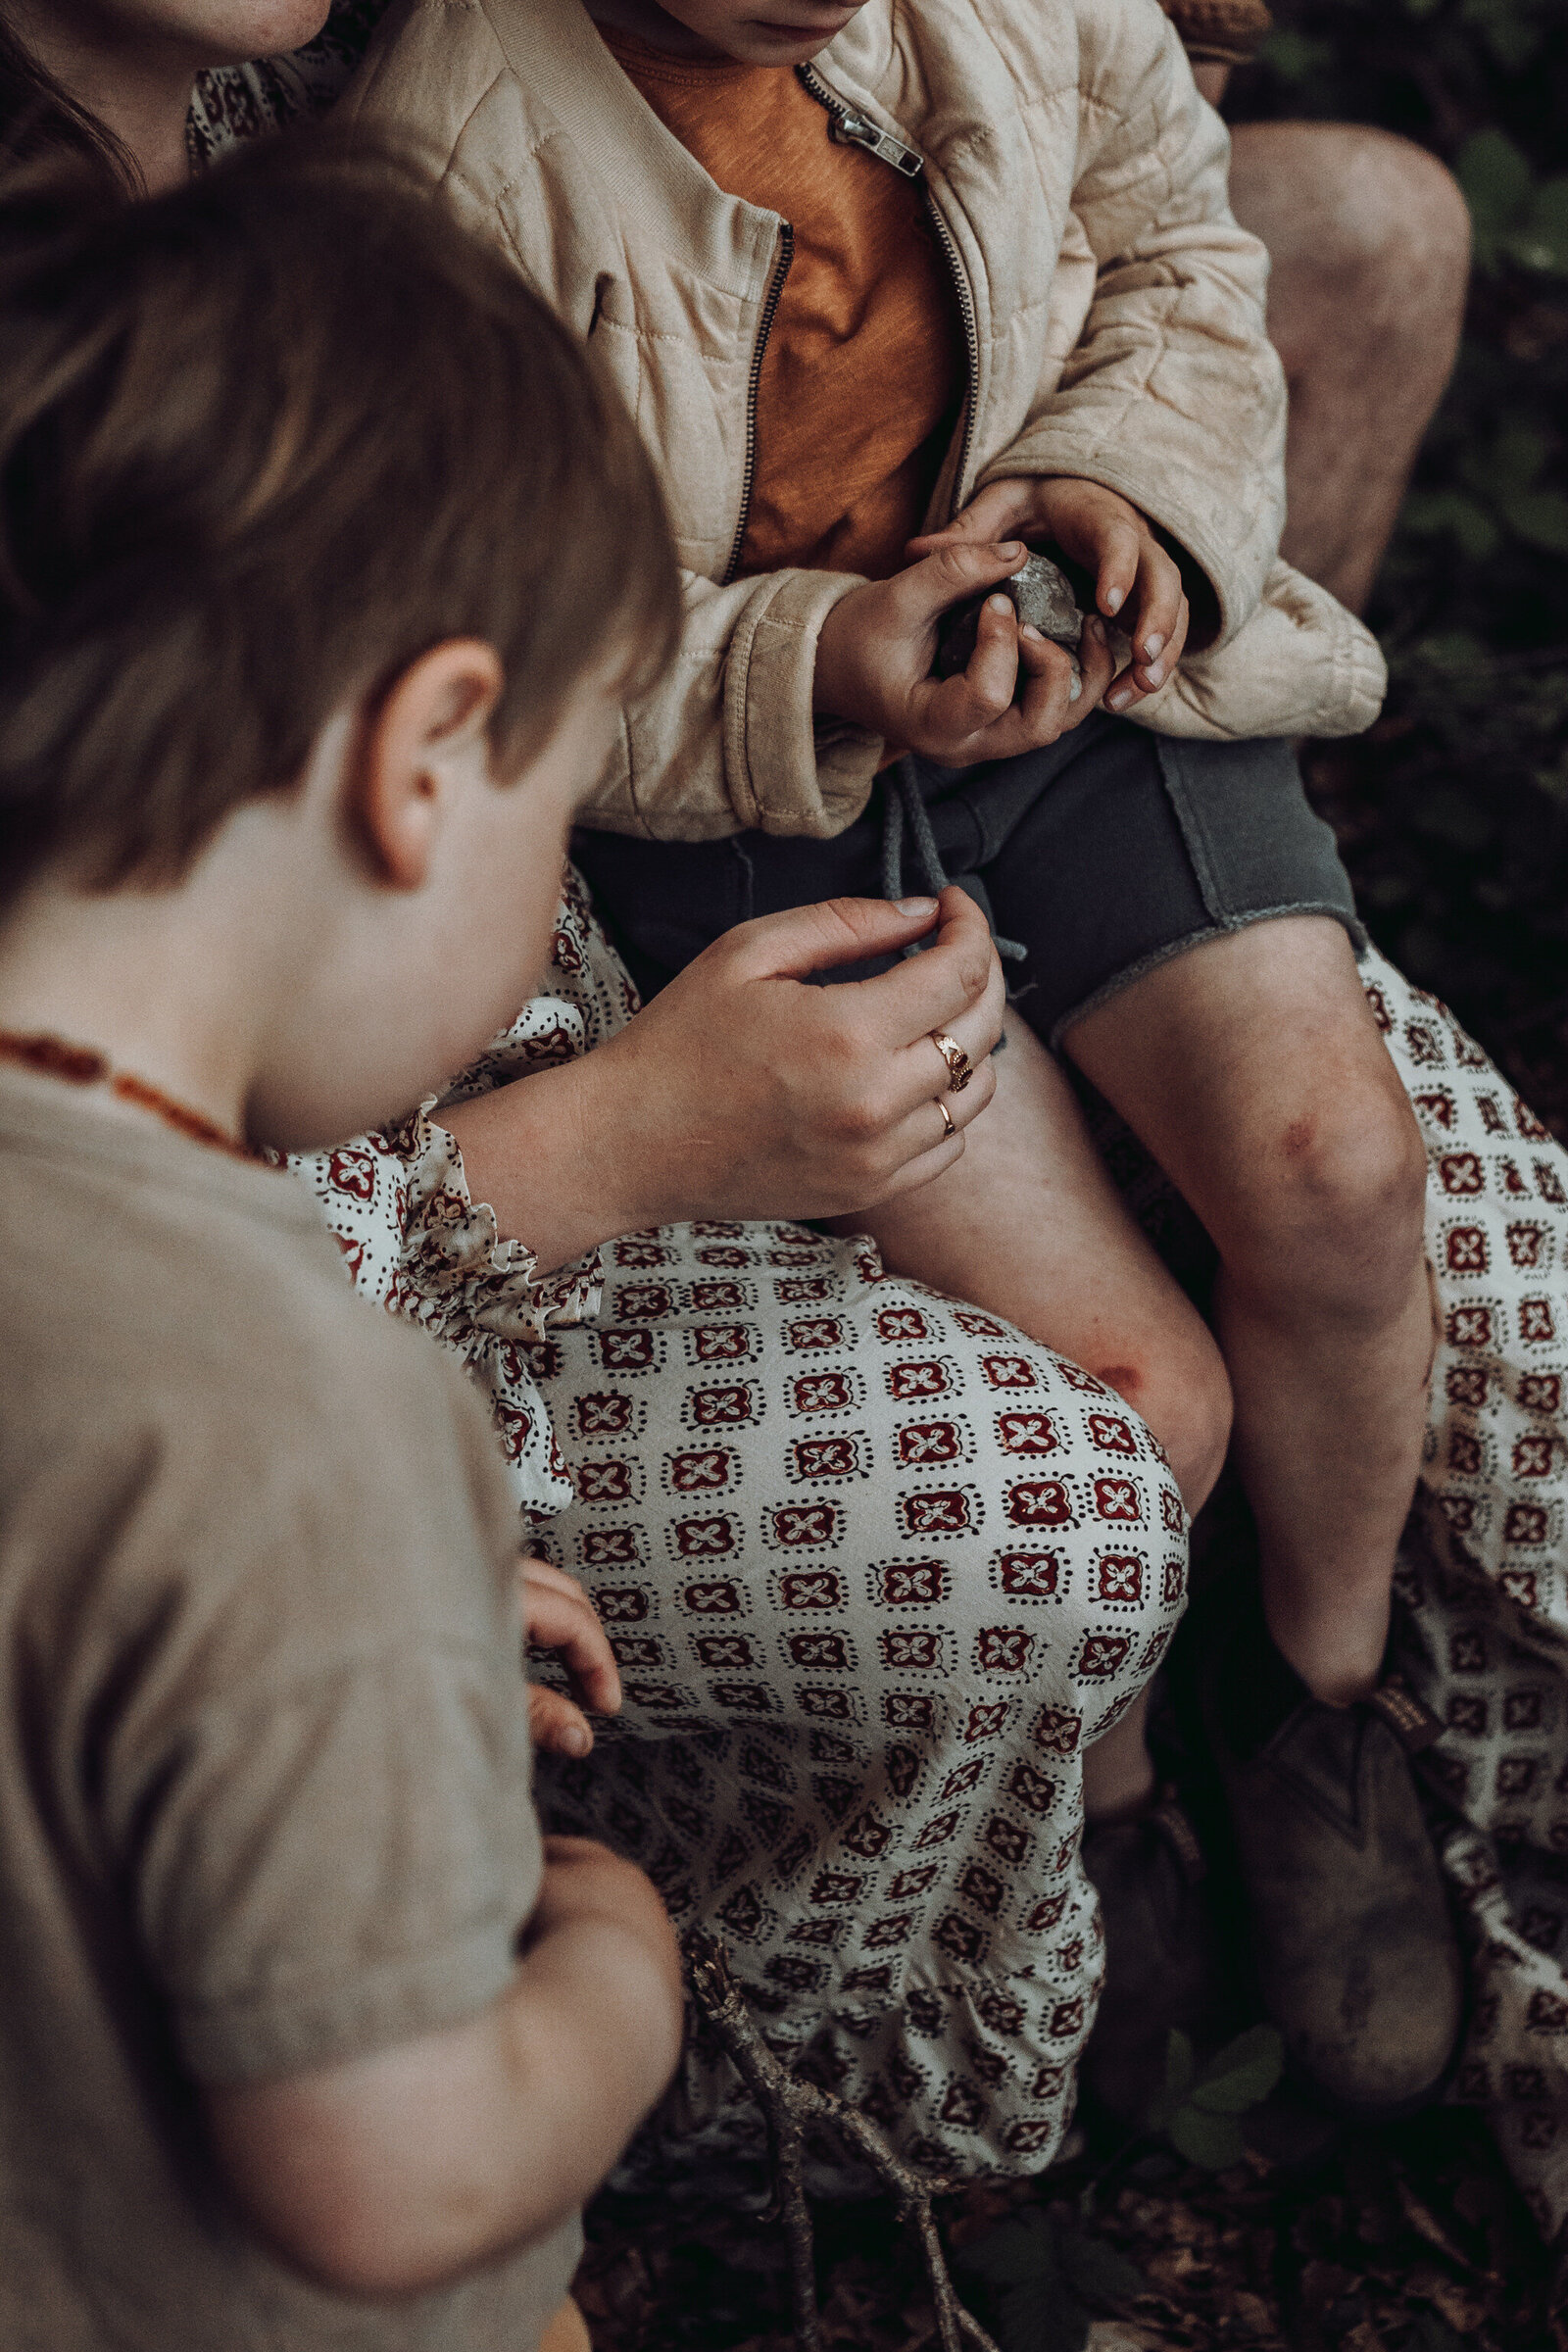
[1114, 309]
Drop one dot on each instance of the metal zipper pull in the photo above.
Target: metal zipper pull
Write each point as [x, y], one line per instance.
[853, 130]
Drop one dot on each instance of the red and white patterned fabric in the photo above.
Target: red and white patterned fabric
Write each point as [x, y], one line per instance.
[1482, 1626]
[877, 1569]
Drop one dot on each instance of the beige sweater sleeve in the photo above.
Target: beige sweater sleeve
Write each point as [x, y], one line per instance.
[727, 740]
[1171, 393]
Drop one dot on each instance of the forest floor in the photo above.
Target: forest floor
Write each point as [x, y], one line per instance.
[1407, 2240]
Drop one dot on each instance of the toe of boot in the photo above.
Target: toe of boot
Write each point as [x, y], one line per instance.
[1356, 1955]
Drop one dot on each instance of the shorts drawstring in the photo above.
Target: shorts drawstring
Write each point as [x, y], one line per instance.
[901, 800]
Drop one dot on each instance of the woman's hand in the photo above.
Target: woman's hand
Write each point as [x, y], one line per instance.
[744, 1090]
[1137, 583]
[557, 1615]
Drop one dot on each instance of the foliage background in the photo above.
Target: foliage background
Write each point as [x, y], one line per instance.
[1453, 813]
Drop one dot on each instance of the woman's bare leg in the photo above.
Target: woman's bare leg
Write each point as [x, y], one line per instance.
[1030, 1226]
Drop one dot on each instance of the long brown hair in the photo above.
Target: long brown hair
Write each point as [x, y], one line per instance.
[39, 116]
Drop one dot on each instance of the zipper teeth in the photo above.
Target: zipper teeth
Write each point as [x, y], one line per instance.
[960, 284]
[765, 329]
[808, 76]
[971, 337]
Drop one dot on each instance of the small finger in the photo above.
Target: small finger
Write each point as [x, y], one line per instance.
[993, 512]
[568, 1626]
[923, 1141]
[922, 592]
[1153, 612]
[1098, 664]
[1048, 695]
[920, 1072]
[533, 1571]
[1116, 574]
[558, 1727]
[991, 670]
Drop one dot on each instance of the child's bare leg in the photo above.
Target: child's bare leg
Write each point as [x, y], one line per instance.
[1030, 1226]
[1253, 1068]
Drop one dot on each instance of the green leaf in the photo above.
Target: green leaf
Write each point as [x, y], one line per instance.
[1432, 513]
[1512, 35]
[1517, 457]
[1180, 2064]
[1243, 2074]
[1495, 177]
[1456, 650]
[1546, 220]
[1538, 238]
[1294, 55]
[1213, 2141]
[1097, 2272]
[1180, 2068]
[1539, 517]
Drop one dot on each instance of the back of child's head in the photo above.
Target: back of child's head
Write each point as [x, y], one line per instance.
[263, 442]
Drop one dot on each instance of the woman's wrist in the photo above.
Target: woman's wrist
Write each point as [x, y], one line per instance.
[554, 1155]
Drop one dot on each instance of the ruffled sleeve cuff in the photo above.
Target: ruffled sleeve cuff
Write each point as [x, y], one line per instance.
[457, 1276]
[397, 1202]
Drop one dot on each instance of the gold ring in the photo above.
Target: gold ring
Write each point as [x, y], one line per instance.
[959, 1068]
[946, 1119]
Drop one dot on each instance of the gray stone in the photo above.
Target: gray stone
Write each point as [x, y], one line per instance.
[1041, 593]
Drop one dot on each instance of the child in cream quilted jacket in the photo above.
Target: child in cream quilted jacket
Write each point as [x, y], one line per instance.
[896, 292]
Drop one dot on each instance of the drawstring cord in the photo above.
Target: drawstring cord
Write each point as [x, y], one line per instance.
[900, 801]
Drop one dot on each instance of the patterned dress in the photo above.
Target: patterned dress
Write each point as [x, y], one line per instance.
[740, 1784]
[877, 1569]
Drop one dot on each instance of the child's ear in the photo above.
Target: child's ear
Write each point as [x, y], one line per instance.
[422, 742]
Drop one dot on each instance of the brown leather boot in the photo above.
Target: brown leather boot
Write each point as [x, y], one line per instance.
[1164, 1966]
[1353, 1939]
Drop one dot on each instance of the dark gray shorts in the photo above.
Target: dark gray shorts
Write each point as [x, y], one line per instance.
[1102, 854]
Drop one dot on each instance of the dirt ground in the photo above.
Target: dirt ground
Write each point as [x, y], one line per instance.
[1403, 2240]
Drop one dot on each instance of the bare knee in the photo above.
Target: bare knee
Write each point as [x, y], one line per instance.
[1334, 1212]
[1359, 223]
[1177, 1383]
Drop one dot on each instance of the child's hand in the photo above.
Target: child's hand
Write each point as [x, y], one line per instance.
[1137, 584]
[558, 1614]
[876, 649]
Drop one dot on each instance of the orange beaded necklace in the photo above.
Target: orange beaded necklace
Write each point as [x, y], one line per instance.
[83, 1065]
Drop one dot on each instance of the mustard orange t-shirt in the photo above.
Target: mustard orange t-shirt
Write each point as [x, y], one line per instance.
[863, 372]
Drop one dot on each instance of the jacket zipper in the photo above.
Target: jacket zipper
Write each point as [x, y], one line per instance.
[764, 328]
[854, 130]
